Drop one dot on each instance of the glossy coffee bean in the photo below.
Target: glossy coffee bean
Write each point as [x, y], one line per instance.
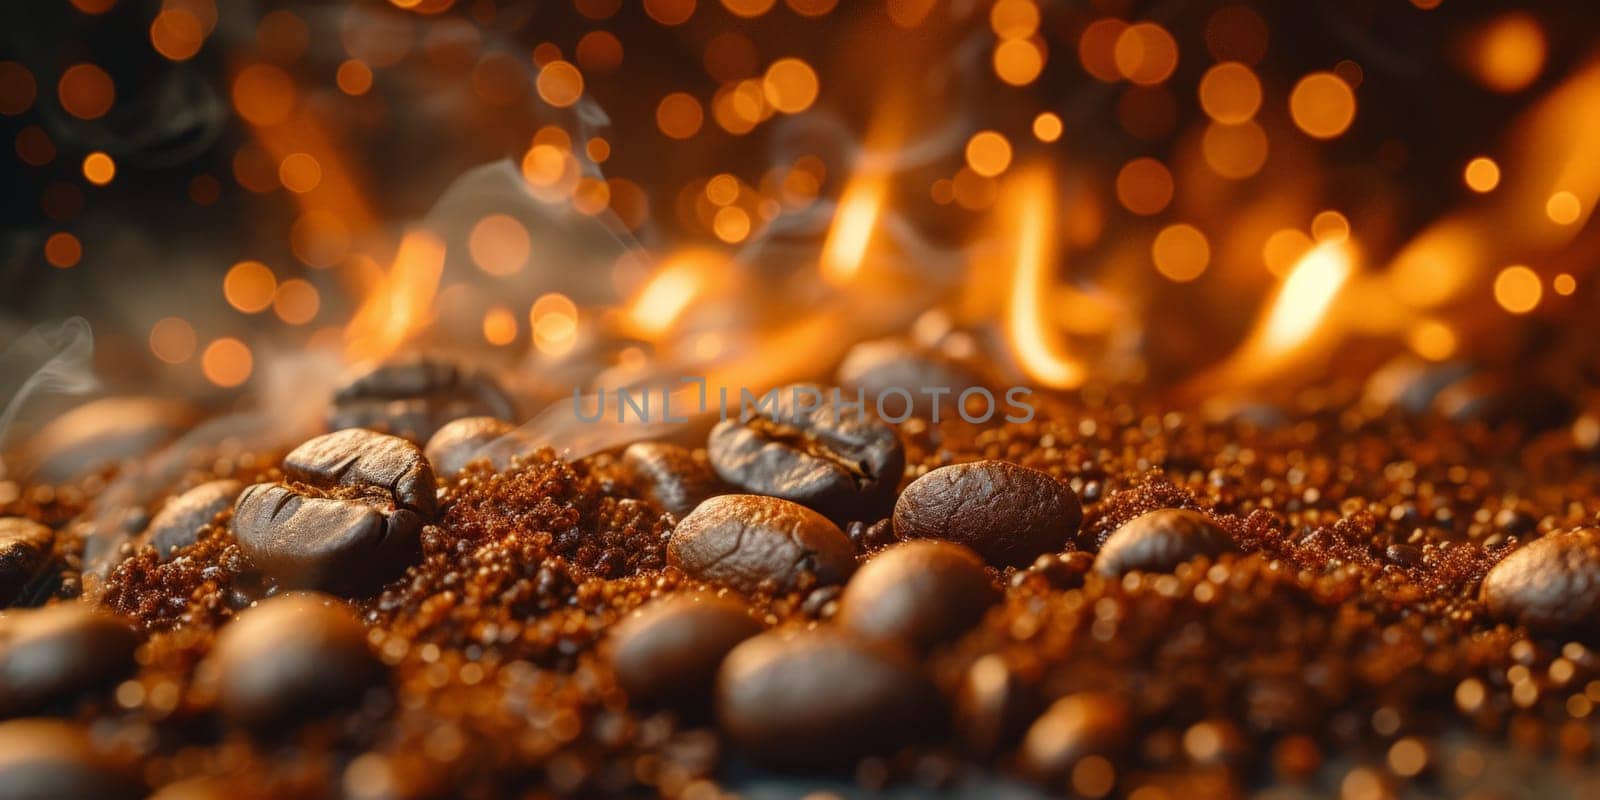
[367, 462]
[918, 594]
[1009, 514]
[347, 547]
[876, 367]
[754, 543]
[1550, 585]
[820, 698]
[1161, 540]
[25, 548]
[667, 652]
[49, 760]
[178, 523]
[1078, 725]
[673, 477]
[843, 462]
[414, 396]
[53, 656]
[459, 442]
[294, 657]
[102, 433]
[993, 705]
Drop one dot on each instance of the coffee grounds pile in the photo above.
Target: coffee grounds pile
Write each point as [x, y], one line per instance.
[1345, 629]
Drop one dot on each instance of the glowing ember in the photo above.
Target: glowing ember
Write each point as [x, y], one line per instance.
[1028, 328]
[401, 304]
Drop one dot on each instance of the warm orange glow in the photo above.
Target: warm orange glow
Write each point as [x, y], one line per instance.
[1330, 226]
[98, 168]
[1517, 289]
[1145, 53]
[263, 94]
[554, 319]
[1018, 61]
[1283, 249]
[1029, 217]
[1564, 284]
[1014, 19]
[988, 153]
[1563, 208]
[177, 34]
[299, 172]
[172, 340]
[1322, 105]
[1510, 53]
[1304, 299]
[670, 12]
[1144, 186]
[63, 250]
[296, 302]
[853, 222]
[354, 77]
[679, 115]
[227, 362]
[499, 326]
[499, 245]
[669, 291]
[559, 83]
[790, 85]
[1180, 252]
[17, 88]
[1230, 93]
[1432, 340]
[401, 304]
[1234, 151]
[1047, 127]
[1481, 174]
[86, 91]
[1097, 48]
[249, 286]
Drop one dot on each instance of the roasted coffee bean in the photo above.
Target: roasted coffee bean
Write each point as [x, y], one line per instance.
[841, 461]
[993, 705]
[870, 536]
[25, 548]
[1059, 570]
[1403, 554]
[414, 396]
[55, 655]
[754, 543]
[820, 698]
[49, 760]
[1007, 513]
[292, 658]
[822, 602]
[917, 594]
[347, 547]
[667, 652]
[101, 433]
[876, 367]
[675, 478]
[178, 523]
[459, 442]
[366, 462]
[1550, 585]
[1078, 725]
[1161, 540]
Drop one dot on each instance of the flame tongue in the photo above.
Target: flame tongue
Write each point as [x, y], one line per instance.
[402, 302]
[1027, 325]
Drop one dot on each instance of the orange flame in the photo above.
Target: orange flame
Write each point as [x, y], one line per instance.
[845, 249]
[658, 305]
[401, 304]
[1036, 346]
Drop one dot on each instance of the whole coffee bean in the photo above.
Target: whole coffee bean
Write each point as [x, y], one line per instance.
[101, 433]
[667, 652]
[342, 546]
[870, 536]
[918, 594]
[1403, 554]
[458, 443]
[1059, 570]
[25, 548]
[367, 462]
[1078, 725]
[993, 705]
[843, 462]
[414, 396]
[178, 523]
[888, 369]
[1007, 513]
[1161, 540]
[54, 655]
[49, 760]
[754, 543]
[1550, 585]
[292, 658]
[820, 698]
[675, 478]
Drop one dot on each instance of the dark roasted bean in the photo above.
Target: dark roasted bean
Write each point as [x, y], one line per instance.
[889, 364]
[57, 654]
[1073, 727]
[918, 594]
[25, 548]
[1161, 540]
[993, 705]
[1403, 554]
[101, 433]
[48, 760]
[870, 536]
[1059, 570]
[675, 478]
[178, 523]
[294, 657]
[343, 546]
[367, 462]
[1550, 585]
[841, 461]
[458, 443]
[754, 543]
[820, 698]
[1007, 513]
[668, 652]
[414, 396]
